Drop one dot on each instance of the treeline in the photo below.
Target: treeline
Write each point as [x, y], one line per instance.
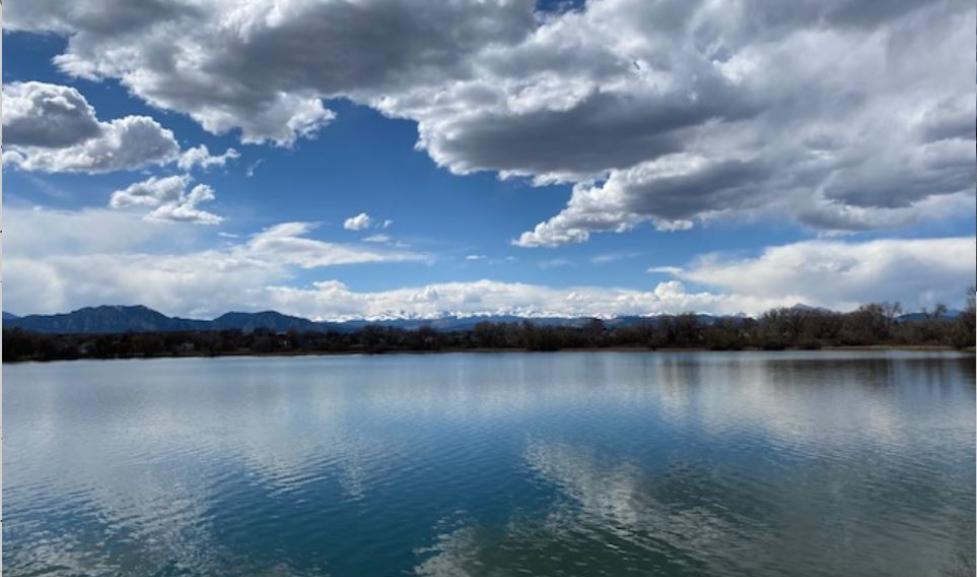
[793, 328]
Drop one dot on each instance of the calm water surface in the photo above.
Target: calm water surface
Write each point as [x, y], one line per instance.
[672, 464]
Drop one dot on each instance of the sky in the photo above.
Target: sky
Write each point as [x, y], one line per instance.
[340, 159]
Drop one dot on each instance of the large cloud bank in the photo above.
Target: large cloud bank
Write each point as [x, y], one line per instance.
[59, 261]
[843, 114]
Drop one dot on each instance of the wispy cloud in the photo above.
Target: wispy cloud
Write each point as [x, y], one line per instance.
[673, 270]
[552, 263]
[59, 260]
[609, 257]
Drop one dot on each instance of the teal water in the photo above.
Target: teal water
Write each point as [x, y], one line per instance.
[490, 465]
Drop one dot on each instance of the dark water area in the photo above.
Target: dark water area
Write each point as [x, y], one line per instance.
[490, 465]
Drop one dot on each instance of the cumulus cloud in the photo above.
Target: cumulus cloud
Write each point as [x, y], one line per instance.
[844, 115]
[169, 198]
[273, 66]
[359, 222]
[93, 15]
[201, 156]
[151, 192]
[47, 115]
[667, 192]
[918, 272]
[335, 300]
[184, 208]
[52, 128]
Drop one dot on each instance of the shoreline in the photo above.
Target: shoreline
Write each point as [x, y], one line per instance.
[617, 349]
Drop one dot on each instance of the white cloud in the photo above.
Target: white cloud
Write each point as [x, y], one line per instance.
[47, 115]
[169, 198]
[917, 272]
[471, 257]
[151, 192]
[52, 128]
[288, 243]
[672, 113]
[184, 208]
[272, 68]
[359, 222]
[253, 167]
[333, 299]
[34, 233]
[61, 260]
[673, 270]
[379, 238]
[200, 156]
[57, 261]
[835, 274]
[842, 115]
[609, 257]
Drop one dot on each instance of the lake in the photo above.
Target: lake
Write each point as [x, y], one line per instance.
[578, 464]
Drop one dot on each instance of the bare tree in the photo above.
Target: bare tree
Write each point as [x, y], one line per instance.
[891, 310]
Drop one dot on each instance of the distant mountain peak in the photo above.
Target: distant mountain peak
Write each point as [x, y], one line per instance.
[105, 319]
[806, 307]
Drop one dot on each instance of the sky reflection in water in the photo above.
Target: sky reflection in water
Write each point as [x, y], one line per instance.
[822, 463]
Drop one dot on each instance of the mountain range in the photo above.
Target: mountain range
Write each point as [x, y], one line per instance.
[138, 318]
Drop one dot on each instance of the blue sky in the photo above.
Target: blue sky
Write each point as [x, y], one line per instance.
[571, 224]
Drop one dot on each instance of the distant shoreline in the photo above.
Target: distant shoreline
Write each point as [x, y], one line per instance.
[871, 327]
[285, 354]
